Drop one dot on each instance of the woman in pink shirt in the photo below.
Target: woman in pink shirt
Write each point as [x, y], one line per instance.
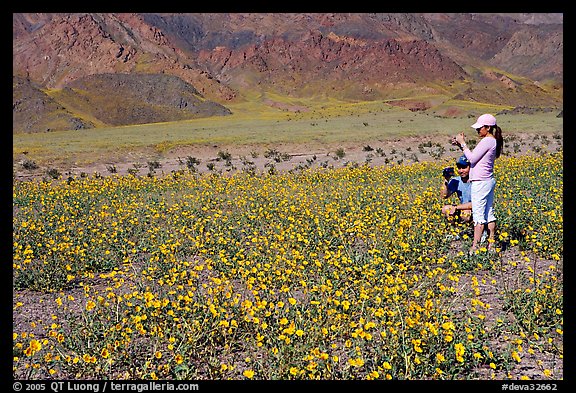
[482, 175]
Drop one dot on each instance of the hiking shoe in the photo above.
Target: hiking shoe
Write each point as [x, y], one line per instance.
[451, 238]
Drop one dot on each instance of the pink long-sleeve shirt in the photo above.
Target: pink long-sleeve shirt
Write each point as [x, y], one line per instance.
[482, 159]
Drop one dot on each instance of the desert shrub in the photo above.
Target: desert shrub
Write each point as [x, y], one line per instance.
[29, 165]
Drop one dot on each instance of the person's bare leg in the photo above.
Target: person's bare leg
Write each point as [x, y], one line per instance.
[491, 233]
[478, 229]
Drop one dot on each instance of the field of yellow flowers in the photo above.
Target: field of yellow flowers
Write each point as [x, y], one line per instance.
[340, 273]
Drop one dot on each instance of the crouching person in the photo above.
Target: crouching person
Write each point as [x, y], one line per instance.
[461, 186]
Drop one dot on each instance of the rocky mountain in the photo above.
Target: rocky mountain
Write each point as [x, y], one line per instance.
[122, 99]
[78, 62]
[33, 110]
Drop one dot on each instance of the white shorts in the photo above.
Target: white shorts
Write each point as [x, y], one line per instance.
[482, 200]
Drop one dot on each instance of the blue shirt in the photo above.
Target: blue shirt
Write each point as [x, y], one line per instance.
[463, 190]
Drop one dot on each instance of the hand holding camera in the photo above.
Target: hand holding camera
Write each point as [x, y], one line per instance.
[459, 140]
[448, 172]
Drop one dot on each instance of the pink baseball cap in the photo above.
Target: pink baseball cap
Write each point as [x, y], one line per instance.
[485, 120]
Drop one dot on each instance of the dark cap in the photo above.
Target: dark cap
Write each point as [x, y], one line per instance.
[462, 161]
